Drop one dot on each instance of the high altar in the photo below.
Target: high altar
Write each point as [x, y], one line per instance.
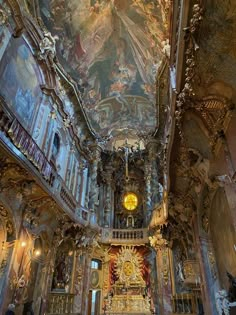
[129, 293]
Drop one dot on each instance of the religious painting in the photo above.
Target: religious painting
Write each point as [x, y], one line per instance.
[63, 269]
[94, 279]
[113, 49]
[20, 80]
[5, 36]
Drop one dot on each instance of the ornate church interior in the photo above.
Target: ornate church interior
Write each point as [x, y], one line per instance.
[117, 157]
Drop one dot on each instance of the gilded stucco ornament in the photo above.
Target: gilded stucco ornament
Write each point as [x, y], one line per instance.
[157, 241]
[34, 219]
[3, 212]
[192, 47]
[7, 221]
[212, 263]
[66, 122]
[4, 258]
[160, 213]
[128, 266]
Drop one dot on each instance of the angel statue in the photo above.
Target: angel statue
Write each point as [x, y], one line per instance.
[48, 44]
[222, 303]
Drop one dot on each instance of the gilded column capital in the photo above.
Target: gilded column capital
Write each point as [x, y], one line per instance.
[157, 241]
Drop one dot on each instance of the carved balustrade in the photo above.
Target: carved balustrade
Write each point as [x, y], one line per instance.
[27, 149]
[126, 236]
[23, 141]
[67, 197]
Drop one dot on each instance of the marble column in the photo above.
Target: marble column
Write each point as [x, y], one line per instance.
[148, 193]
[151, 176]
[78, 283]
[86, 281]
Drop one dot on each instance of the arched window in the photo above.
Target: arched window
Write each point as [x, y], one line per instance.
[55, 147]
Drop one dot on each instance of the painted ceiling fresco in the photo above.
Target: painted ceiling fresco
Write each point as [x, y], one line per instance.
[113, 49]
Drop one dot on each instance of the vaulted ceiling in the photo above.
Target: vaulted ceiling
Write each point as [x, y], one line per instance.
[113, 50]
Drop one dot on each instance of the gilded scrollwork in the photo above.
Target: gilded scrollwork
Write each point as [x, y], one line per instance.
[157, 241]
[187, 91]
[3, 212]
[212, 263]
[205, 222]
[7, 220]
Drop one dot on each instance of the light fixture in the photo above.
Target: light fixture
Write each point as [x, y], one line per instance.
[37, 252]
[23, 244]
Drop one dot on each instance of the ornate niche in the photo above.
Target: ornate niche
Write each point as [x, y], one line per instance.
[129, 207]
[63, 268]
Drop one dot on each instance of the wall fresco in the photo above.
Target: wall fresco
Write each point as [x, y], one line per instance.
[113, 49]
[20, 80]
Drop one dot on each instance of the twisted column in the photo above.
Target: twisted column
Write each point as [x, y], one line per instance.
[151, 177]
[93, 188]
[148, 177]
[108, 196]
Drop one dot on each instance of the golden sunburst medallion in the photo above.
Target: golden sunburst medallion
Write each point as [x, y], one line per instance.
[130, 201]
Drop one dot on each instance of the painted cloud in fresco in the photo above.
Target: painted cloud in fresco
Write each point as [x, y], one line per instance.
[113, 49]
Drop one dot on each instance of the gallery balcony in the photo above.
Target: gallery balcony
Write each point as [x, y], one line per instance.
[24, 149]
[125, 236]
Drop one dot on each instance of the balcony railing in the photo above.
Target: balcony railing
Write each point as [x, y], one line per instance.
[14, 132]
[126, 236]
[23, 141]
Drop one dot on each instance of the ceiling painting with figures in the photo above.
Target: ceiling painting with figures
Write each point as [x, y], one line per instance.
[113, 50]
